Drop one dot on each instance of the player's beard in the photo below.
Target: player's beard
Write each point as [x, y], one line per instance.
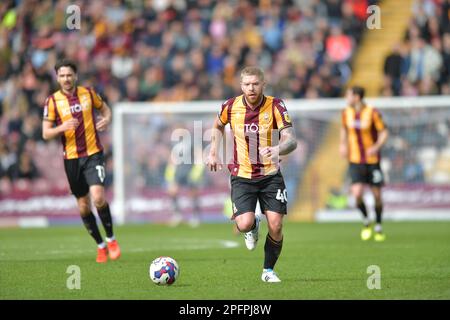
[68, 86]
[253, 100]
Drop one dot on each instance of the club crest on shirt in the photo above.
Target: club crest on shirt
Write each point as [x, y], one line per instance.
[84, 102]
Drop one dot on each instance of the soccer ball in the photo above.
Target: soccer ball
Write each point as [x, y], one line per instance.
[164, 271]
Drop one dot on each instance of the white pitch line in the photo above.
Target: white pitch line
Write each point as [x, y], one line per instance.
[196, 245]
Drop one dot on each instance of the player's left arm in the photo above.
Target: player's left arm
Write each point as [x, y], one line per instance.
[382, 138]
[288, 143]
[383, 134]
[105, 117]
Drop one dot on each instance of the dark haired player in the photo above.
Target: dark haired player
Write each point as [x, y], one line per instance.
[363, 133]
[69, 113]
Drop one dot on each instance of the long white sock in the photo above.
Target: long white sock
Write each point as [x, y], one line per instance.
[102, 245]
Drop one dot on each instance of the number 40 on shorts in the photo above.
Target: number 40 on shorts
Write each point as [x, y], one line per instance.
[282, 195]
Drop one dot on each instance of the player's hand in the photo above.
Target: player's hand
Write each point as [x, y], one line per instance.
[71, 124]
[102, 123]
[343, 151]
[273, 153]
[213, 163]
[372, 151]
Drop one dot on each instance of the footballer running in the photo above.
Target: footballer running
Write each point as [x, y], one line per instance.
[363, 133]
[255, 171]
[69, 113]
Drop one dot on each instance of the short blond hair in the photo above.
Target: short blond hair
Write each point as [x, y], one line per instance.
[253, 71]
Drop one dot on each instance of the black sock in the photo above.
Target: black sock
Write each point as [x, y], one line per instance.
[379, 211]
[105, 216]
[362, 207]
[91, 225]
[176, 207]
[272, 250]
[196, 207]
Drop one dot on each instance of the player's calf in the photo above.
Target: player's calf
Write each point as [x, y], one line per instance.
[251, 237]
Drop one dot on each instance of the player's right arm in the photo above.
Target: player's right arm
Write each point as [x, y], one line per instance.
[216, 136]
[50, 132]
[343, 148]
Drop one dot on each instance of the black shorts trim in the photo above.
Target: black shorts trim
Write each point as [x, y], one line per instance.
[269, 190]
[85, 172]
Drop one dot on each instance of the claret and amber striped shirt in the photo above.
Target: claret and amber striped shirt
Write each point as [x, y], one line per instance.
[252, 130]
[60, 107]
[362, 132]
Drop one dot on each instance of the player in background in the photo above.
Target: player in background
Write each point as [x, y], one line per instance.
[362, 136]
[188, 176]
[69, 113]
[255, 171]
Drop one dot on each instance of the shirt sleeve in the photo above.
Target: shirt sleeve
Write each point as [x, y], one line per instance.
[281, 115]
[223, 114]
[97, 101]
[49, 109]
[378, 120]
[344, 119]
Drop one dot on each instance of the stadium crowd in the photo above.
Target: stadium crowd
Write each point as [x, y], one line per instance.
[420, 65]
[174, 50]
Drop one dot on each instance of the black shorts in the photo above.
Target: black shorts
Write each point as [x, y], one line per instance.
[370, 174]
[85, 172]
[269, 190]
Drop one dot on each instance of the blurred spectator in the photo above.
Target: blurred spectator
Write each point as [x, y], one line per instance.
[7, 158]
[425, 62]
[444, 80]
[339, 46]
[393, 69]
[23, 169]
[413, 171]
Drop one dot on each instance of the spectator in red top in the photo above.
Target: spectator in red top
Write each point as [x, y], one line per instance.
[339, 46]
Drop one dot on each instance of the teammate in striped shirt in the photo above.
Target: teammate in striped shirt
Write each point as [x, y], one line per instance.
[69, 113]
[256, 121]
[363, 133]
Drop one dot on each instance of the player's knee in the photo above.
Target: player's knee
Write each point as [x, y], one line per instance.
[275, 228]
[357, 192]
[359, 199]
[245, 224]
[99, 202]
[84, 208]
[378, 202]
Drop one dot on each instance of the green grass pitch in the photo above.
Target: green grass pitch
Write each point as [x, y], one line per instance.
[319, 261]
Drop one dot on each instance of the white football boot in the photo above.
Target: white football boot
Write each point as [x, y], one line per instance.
[269, 275]
[251, 237]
